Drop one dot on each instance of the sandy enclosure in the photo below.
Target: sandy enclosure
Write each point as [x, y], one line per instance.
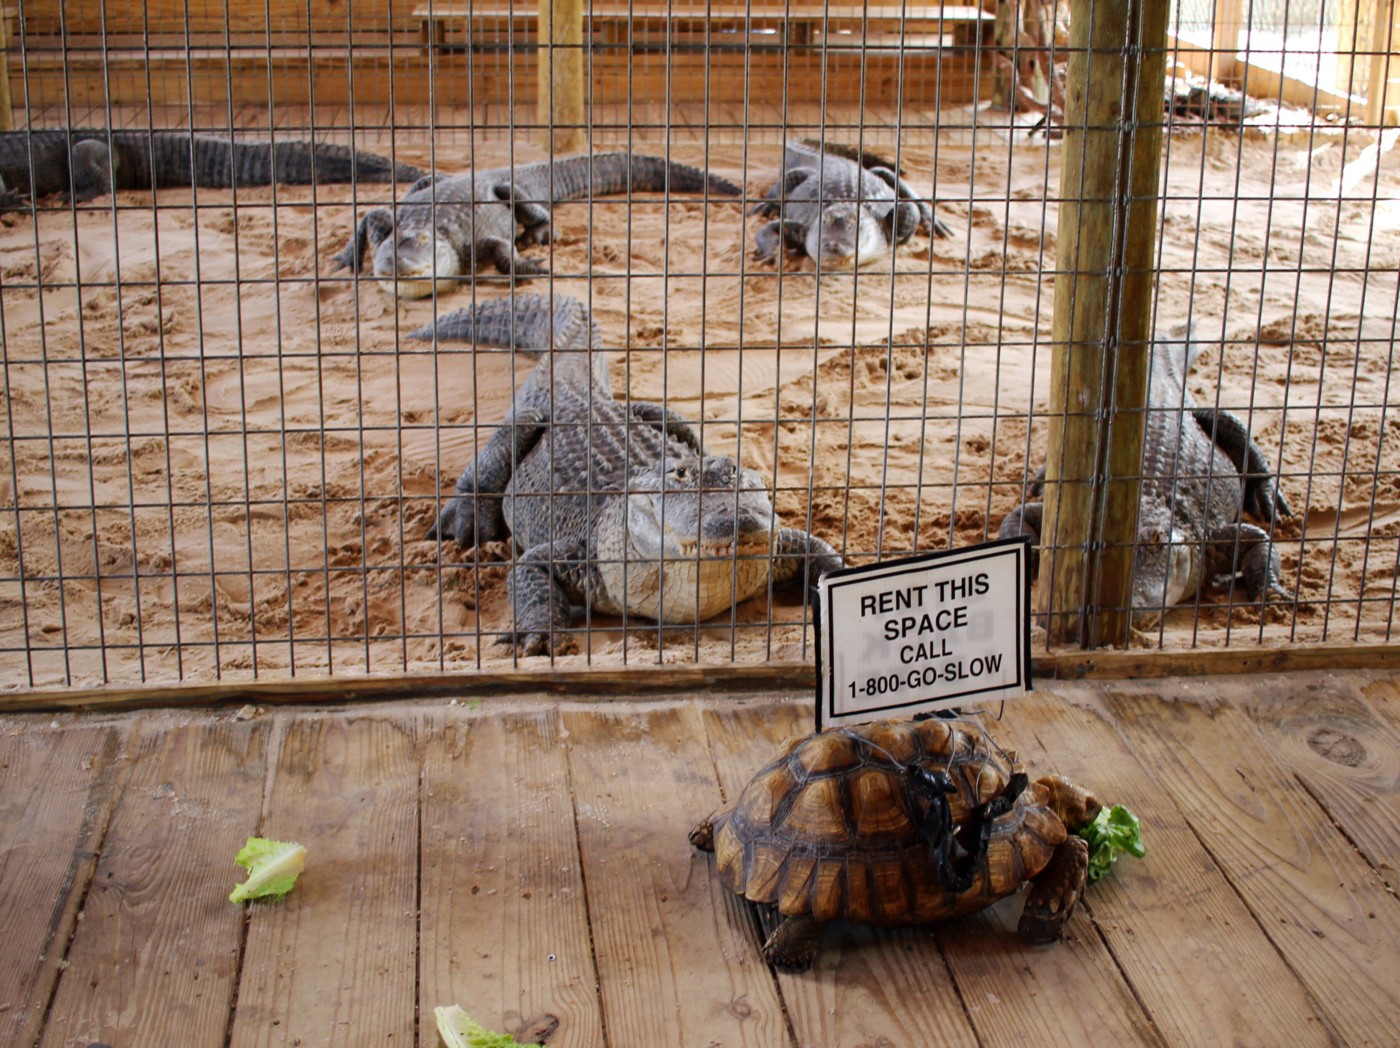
[221, 458]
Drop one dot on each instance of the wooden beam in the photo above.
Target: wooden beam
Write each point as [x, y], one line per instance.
[7, 113]
[1383, 84]
[1103, 316]
[1225, 40]
[630, 682]
[563, 87]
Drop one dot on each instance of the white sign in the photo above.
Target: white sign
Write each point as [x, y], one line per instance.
[924, 633]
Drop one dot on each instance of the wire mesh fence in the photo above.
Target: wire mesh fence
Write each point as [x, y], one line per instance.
[223, 453]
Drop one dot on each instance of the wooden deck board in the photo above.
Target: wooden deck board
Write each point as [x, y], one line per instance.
[528, 860]
[55, 797]
[334, 963]
[1325, 909]
[154, 959]
[503, 916]
[674, 965]
[1171, 919]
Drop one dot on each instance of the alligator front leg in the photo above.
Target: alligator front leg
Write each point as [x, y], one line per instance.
[782, 189]
[94, 168]
[1244, 551]
[507, 259]
[1262, 498]
[474, 516]
[372, 230]
[669, 422]
[541, 586]
[1025, 519]
[936, 226]
[779, 233]
[800, 555]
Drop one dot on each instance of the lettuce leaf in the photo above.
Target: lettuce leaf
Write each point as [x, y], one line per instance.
[273, 867]
[460, 1030]
[1114, 831]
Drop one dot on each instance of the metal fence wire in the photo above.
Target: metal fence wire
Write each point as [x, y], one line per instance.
[224, 450]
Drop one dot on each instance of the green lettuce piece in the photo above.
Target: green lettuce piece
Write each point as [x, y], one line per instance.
[460, 1030]
[273, 867]
[1115, 830]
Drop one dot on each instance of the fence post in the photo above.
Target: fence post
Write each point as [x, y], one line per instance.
[563, 91]
[1103, 316]
[7, 115]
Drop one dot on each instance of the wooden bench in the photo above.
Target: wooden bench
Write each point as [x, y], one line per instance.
[619, 23]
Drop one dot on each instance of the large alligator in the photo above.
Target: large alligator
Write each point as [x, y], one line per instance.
[447, 224]
[615, 504]
[1201, 471]
[841, 207]
[87, 163]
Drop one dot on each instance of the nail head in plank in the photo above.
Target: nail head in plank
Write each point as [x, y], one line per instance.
[504, 922]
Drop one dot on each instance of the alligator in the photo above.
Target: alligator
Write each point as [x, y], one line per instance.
[447, 224]
[88, 163]
[841, 207]
[615, 503]
[1201, 472]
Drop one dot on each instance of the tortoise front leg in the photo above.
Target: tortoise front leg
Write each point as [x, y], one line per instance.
[1055, 892]
[792, 947]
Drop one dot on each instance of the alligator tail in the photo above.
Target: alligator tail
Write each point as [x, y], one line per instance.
[530, 323]
[221, 163]
[864, 157]
[598, 174]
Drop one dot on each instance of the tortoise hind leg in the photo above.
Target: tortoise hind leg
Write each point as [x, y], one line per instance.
[1055, 891]
[792, 945]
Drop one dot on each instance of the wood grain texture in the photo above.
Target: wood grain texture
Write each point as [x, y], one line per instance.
[154, 959]
[56, 792]
[676, 964]
[504, 922]
[334, 962]
[1344, 753]
[1205, 972]
[1324, 908]
[868, 986]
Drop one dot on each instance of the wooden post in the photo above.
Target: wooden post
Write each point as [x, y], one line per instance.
[563, 87]
[1383, 84]
[1103, 315]
[7, 114]
[1225, 40]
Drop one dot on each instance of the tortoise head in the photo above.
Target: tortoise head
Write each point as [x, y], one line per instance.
[693, 506]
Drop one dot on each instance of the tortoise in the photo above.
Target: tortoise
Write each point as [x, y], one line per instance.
[898, 823]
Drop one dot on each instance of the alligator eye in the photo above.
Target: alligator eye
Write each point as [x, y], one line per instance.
[681, 473]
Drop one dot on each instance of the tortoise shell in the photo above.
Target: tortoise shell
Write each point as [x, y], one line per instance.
[832, 827]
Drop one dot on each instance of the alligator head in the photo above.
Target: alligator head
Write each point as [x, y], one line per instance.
[691, 528]
[845, 236]
[1166, 570]
[417, 260]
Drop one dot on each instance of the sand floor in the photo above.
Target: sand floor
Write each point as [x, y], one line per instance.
[219, 458]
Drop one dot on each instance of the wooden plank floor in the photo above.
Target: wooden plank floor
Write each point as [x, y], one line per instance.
[528, 859]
